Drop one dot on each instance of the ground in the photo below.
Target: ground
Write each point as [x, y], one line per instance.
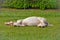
[29, 32]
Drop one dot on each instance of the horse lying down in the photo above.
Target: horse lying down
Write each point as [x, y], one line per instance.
[30, 21]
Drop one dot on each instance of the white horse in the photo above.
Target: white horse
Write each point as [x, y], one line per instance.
[30, 21]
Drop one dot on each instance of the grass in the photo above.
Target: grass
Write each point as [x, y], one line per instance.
[29, 32]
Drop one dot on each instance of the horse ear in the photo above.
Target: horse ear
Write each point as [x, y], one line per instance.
[11, 22]
[19, 21]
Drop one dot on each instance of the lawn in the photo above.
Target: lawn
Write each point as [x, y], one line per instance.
[29, 32]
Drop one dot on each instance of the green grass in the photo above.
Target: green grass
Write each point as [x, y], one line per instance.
[29, 32]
